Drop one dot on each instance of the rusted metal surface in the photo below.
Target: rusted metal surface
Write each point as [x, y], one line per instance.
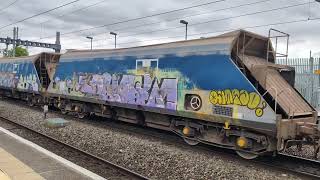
[32, 58]
[289, 128]
[221, 43]
[18, 59]
[269, 77]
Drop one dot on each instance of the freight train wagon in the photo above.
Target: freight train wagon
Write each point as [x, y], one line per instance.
[221, 91]
[26, 78]
[224, 91]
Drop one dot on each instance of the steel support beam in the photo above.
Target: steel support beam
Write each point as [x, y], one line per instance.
[18, 42]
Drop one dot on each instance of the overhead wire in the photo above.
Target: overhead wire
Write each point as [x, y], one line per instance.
[11, 4]
[215, 20]
[221, 19]
[225, 30]
[206, 22]
[39, 14]
[193, 15]
[77, 10]
[83, 8]
[140, 18]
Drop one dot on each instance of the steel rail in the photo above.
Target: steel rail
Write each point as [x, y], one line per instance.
[123, 170]
[309, 168]
[305, 167]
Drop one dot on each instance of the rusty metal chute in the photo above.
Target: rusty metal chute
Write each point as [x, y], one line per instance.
[270, 79]
[45, 64]
[255, 56]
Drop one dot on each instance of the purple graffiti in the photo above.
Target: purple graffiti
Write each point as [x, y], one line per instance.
[130, 89]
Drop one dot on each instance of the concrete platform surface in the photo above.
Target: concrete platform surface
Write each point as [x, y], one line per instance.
[22, 159]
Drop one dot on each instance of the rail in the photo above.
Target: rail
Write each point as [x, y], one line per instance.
[301, 166]
[129, 173]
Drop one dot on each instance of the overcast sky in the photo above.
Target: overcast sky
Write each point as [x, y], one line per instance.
[304, 36]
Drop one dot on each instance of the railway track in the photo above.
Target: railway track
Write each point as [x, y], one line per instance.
[93, 163]
[306, 168]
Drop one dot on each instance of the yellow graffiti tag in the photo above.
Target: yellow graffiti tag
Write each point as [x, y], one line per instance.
[251, 100]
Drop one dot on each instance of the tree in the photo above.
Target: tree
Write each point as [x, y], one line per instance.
[20, 51]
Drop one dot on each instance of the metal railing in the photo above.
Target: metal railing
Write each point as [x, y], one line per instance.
[307, 79]
[275, 49]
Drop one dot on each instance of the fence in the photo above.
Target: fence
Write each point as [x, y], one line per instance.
[307, 80]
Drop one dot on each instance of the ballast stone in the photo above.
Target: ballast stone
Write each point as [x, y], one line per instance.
[56, 122]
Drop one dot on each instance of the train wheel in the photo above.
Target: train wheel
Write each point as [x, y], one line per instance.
[81, 115]
[31, 102]
[64, 112]
[247, 155]
[190, 141]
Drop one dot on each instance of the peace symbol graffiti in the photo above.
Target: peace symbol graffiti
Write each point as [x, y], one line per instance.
[195, 103]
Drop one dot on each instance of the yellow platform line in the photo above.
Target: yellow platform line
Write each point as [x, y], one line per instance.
[16, 169]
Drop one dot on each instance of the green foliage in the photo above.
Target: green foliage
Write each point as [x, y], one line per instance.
[20, 51]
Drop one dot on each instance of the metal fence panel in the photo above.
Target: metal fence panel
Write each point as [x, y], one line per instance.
[307, 82]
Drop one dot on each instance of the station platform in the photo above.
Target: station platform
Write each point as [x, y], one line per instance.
[22, 159]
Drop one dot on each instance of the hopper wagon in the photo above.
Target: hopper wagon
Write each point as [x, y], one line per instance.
[224, 91]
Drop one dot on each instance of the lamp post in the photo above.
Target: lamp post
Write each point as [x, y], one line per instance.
[115, 39]
[91, 38]
[185, 23]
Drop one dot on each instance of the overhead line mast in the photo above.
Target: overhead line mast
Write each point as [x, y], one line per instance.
[15, 41]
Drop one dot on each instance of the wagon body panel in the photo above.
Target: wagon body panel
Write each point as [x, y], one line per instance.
[19, 74]
[161, 78]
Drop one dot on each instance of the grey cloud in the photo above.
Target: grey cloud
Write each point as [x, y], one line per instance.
[304, 36]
